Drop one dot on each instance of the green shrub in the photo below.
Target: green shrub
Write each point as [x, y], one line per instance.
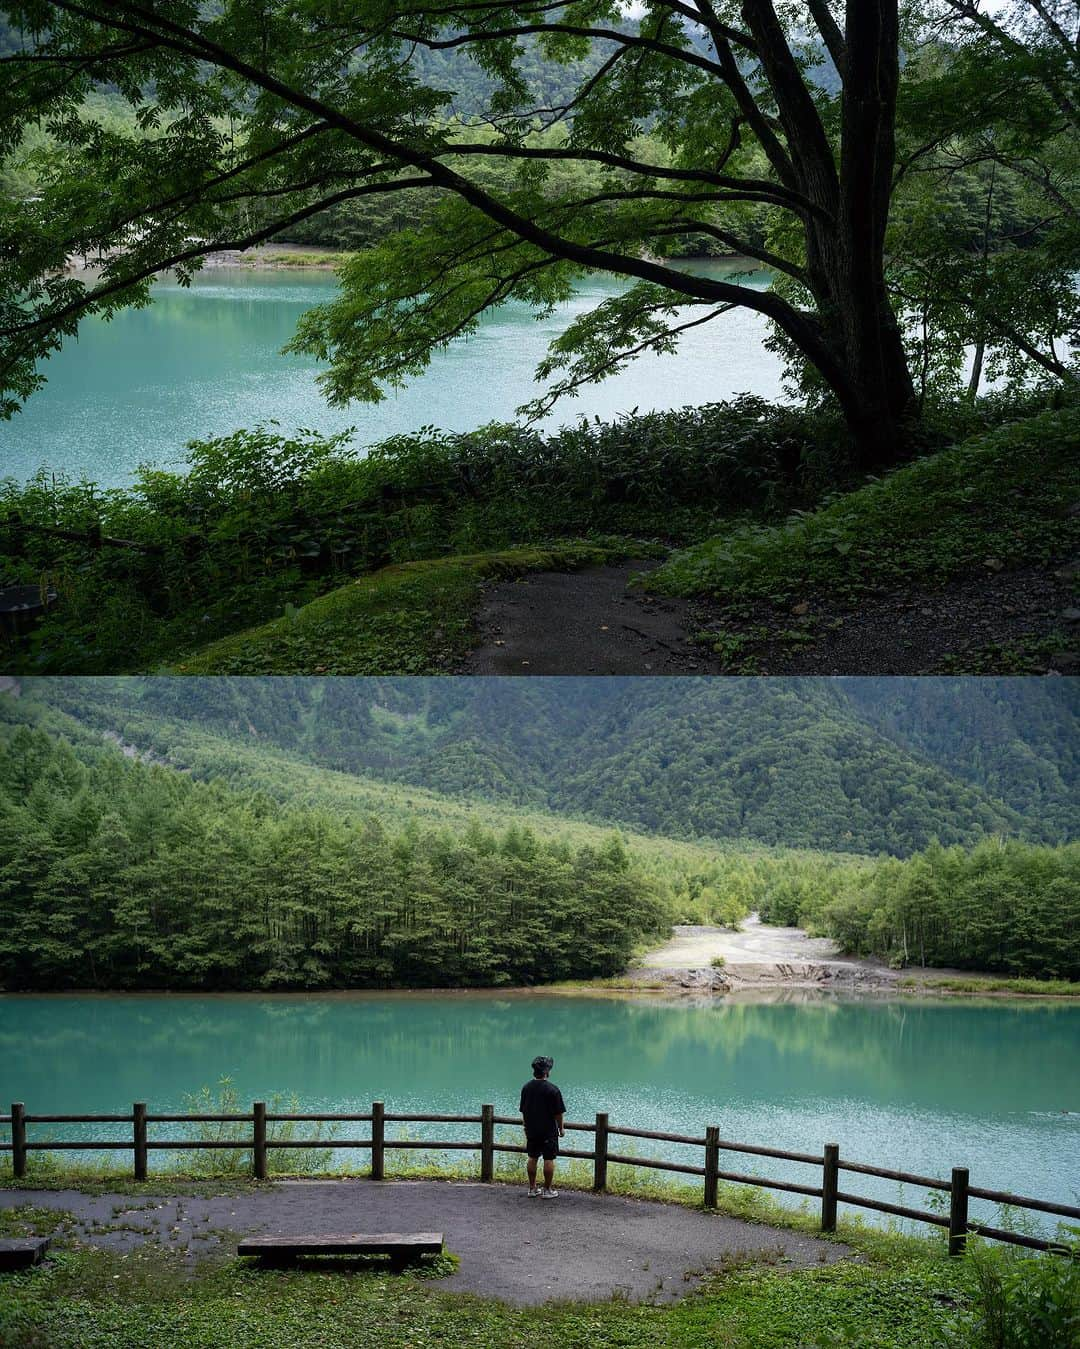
[1023, 1302]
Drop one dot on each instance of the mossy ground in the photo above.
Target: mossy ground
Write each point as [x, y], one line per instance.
[994, 513]
[413, 618]
[1002, 498]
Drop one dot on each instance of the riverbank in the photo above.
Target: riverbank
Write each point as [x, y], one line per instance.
[290, 256]
[759, 959]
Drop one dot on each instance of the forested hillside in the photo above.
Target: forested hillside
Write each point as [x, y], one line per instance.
[119, 874]
[799, 763]
[1015, 739]
[254, 869]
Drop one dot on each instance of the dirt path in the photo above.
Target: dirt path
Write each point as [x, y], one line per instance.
[593, 622]
[525, 1251]
[584, 622]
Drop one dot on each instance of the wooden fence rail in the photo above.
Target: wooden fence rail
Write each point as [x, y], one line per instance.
[830, 1163]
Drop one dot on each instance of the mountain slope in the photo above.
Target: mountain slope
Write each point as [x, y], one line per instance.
[1016, 739]
[805, 763]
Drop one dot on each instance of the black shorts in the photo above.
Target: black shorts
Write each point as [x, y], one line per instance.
[548, 1147]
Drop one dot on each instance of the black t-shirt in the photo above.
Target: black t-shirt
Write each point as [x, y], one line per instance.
[540, 1102]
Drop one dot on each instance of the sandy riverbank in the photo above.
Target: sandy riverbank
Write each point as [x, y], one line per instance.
[759, 957]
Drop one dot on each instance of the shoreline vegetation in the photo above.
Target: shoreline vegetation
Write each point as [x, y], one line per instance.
[288, 256]
[281, 553]
[781, 989]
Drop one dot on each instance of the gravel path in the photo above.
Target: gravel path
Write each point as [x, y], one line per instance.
[584, 622]
[580, 1246]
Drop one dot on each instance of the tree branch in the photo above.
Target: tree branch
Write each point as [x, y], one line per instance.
[541, 406]
[830, 33]
[803, 329]
[116, 285]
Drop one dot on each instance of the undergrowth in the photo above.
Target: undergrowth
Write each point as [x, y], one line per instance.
[1000, 499]
[263, 522]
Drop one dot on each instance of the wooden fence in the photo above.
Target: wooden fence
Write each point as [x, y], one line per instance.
[829, 1163]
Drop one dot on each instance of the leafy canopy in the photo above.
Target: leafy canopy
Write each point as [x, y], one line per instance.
[771, 131]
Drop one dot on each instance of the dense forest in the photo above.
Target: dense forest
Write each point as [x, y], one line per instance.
[120, 871]
[812, 763]
[1008, 907]
[116, 874]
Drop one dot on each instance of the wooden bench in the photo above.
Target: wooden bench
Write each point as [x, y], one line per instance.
[401, 1247]
[22, 1252]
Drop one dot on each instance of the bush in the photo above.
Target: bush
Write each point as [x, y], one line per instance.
[1023, 1302]
[263, 519]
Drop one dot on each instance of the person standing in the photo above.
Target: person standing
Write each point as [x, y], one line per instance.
[542, 1111]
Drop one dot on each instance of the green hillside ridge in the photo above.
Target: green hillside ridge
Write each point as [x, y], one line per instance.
[256, 767]
[1015, 739]
[120, 871]
[798, 763]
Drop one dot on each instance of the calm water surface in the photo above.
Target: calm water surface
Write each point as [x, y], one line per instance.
[916, 1086]
[203, 361]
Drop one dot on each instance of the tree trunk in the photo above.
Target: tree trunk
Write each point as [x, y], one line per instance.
[866, 366]
[880, 405]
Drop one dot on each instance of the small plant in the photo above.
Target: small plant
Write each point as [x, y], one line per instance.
[235, 1161]
[718, 962]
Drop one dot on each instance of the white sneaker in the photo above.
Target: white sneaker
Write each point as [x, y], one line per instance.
[549, 1194]
[534, 1192]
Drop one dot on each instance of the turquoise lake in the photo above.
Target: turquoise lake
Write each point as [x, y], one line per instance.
[204, 361]
[920, 1086]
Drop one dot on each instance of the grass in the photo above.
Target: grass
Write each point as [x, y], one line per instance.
[93, 1299]
[988, 983]
[900, 1291]
[313, 257]
[413, 618]
[999, 500]
[1021, 656]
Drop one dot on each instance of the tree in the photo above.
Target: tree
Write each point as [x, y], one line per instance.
[986, 231]
[254, 115]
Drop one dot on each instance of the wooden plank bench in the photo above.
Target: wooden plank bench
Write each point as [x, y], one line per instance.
[401, 1247]
[22, 1252]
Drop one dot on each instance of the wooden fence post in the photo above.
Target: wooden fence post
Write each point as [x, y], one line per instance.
[258, 1140]
[138, 1120]
[487, 1143]
[378, 1139]
[600, 1153]
[712, 1164]
[18, 1140]
[958, 1211]
[830, 1183]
